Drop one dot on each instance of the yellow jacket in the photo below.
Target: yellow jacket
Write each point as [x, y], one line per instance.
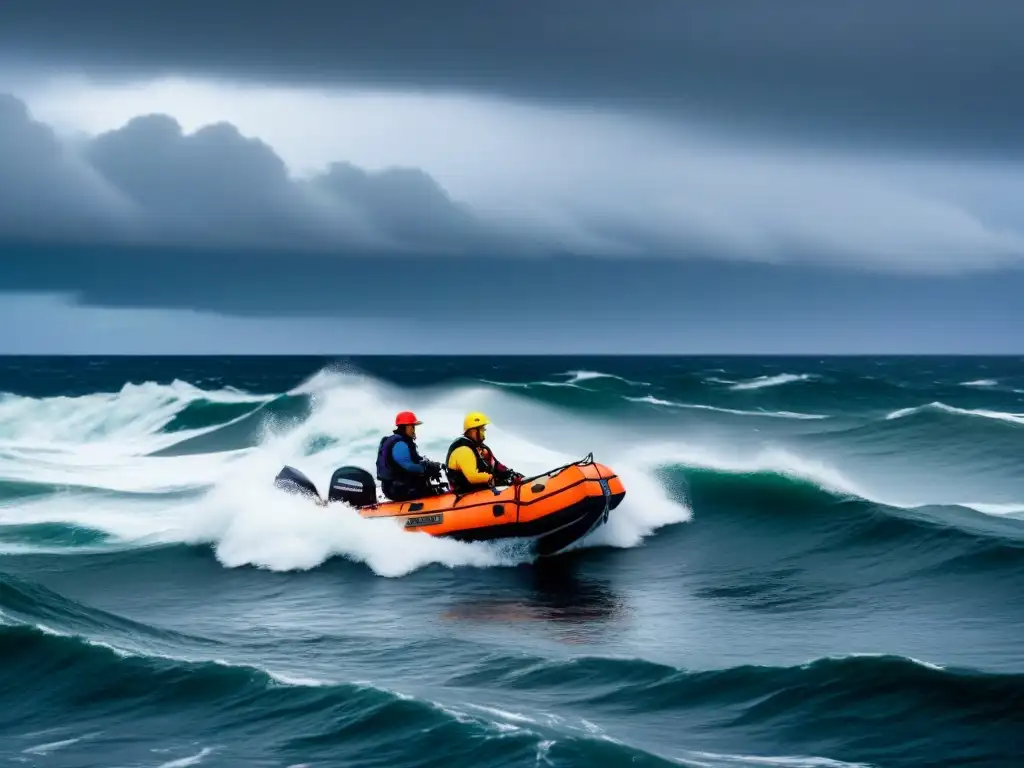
[464, 459]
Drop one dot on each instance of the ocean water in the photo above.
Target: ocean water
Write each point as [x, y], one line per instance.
[819, 562]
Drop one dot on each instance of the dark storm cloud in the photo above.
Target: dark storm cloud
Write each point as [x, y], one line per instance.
[40, 190]
[148, 183]
[941, 72]
[559, 305]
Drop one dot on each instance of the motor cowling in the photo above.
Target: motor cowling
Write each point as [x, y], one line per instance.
[292, 480]
[354, 486]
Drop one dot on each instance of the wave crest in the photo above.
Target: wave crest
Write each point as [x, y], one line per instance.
[1011, 418]
[227, 496]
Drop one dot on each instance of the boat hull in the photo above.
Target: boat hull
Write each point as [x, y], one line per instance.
[551, 511]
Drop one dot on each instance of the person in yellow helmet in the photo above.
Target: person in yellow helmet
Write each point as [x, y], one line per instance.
[470, 464]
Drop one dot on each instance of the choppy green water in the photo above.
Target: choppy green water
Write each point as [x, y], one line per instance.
[817, 560]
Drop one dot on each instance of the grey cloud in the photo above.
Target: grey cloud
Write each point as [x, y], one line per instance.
[568, 305]
[405, 201]
[149, 183]
[41, 188]
[941, 73]
[208, 186]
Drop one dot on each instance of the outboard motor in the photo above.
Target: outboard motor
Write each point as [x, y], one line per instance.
[292, 480]
[353, 485]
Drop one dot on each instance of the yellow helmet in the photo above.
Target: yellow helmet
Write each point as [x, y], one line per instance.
[473, 420]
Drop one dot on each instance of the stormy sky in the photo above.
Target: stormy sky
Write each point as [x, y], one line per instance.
[737, 176]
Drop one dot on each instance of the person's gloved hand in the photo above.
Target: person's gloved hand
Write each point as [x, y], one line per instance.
[434, 468]
[509, 477]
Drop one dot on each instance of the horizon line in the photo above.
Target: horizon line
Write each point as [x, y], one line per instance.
[633, 355]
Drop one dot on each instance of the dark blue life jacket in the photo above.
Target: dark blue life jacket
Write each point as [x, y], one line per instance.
[387, 467]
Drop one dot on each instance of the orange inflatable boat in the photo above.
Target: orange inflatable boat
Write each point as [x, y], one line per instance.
[551, 510]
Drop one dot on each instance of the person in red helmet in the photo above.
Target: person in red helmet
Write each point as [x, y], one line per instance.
[403, 473]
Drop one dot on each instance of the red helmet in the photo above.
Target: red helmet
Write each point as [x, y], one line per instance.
[406, 417]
